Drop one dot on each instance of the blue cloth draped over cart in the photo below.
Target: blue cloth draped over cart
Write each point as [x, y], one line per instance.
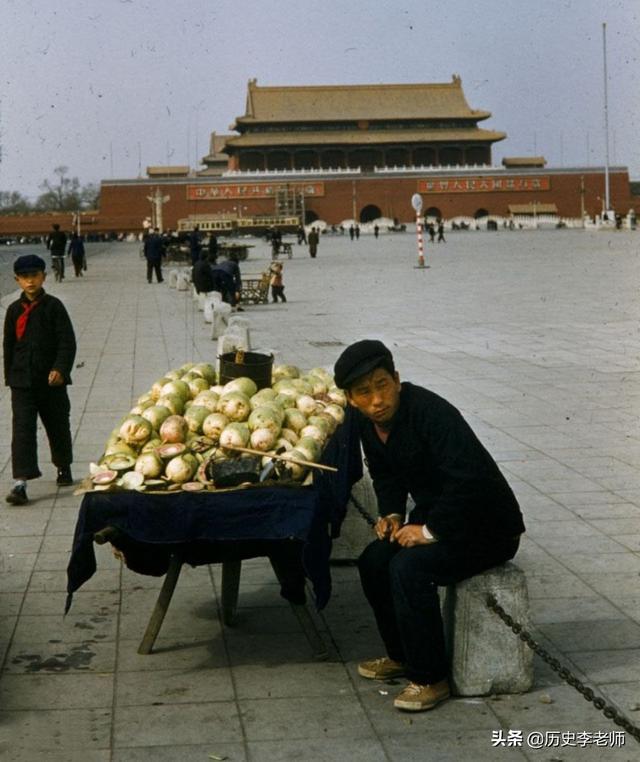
[195, 521]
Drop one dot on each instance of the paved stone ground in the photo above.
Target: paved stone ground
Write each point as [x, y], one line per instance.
[533, 335]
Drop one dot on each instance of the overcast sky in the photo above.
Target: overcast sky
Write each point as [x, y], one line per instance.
[108, 86]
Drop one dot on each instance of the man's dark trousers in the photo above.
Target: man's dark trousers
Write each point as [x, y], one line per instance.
[154, 267]
[51, 403]
[401, 584]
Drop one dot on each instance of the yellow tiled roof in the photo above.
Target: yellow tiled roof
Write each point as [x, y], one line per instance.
[320, 103]
[360, 137]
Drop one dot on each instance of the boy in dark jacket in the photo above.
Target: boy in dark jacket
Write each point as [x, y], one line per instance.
[39, 350]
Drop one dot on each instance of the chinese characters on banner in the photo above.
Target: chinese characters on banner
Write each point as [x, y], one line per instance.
[483, 184]
[250, 190]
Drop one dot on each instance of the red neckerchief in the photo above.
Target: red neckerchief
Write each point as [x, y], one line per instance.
[23, 319]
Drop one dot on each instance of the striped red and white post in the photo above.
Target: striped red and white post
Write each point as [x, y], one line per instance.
[416, 203]
[420, 241]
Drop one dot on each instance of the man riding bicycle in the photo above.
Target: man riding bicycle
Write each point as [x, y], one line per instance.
[57, 244]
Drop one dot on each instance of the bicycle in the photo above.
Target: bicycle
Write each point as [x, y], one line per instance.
[57, 265]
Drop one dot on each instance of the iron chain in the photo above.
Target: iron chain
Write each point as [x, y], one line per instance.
[362, 511]
[587, 693]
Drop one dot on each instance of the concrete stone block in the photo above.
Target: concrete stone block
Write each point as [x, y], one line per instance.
[212, 299]
[242, 325]
[486, 656]
[172, 278]
[356, 533]
[239, 320]
[219, 319]
[239, 335]
[183, 282]
[230, 343]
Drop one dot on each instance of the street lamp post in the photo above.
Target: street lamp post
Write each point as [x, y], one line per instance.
[416, 203]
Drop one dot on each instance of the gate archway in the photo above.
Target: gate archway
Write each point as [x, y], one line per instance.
[369, 213]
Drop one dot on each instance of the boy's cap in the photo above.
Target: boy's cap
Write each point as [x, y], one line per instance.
[358, 359]
[29, 263]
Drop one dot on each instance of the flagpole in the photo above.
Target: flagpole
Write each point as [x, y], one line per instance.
[606, 121]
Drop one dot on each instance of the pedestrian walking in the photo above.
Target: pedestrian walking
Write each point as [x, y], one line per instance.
[213, 248]
[195, 244]
[376, 231]
[276, 281]
[357, 232]
[77, 253]
[441, 232]
[313, 239]
[39, 350]
[352, 232]
[57, 244]
[276, 243]
[154, 251]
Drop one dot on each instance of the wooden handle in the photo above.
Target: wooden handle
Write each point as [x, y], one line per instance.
[299, 461]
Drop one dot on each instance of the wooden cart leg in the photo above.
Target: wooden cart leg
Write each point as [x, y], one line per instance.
[162, 604]
[230, 585]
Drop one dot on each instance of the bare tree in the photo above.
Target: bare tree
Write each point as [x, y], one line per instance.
[12, 201]
[61, 195]
[89, 196]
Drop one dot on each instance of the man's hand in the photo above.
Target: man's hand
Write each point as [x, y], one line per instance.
[387, 526]
[410, 535]
[55, 378]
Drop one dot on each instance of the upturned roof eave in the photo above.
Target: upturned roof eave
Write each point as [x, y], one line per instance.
[365, 138]
[249, 120]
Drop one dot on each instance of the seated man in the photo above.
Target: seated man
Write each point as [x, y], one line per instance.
[466, 518]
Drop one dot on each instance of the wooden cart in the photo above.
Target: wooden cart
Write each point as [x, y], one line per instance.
[255, 290]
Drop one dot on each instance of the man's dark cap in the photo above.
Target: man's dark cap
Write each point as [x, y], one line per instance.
[29, 263]
[358, 359]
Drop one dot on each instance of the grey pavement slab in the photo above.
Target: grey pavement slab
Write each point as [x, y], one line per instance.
[533, 335]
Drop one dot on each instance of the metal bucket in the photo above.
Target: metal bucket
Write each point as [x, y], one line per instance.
[254, 365]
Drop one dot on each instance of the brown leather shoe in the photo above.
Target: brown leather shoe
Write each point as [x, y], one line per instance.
[419, 698]
[383, 668]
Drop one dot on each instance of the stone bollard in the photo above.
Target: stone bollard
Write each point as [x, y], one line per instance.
[239, 324]
[239, 334]
[219, 319]
[184, 282]
[486, 656]
[173, 278]
[355, 532]
[230, 343]
[212, 300]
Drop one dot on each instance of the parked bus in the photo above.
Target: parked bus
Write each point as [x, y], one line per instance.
[226, 225]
